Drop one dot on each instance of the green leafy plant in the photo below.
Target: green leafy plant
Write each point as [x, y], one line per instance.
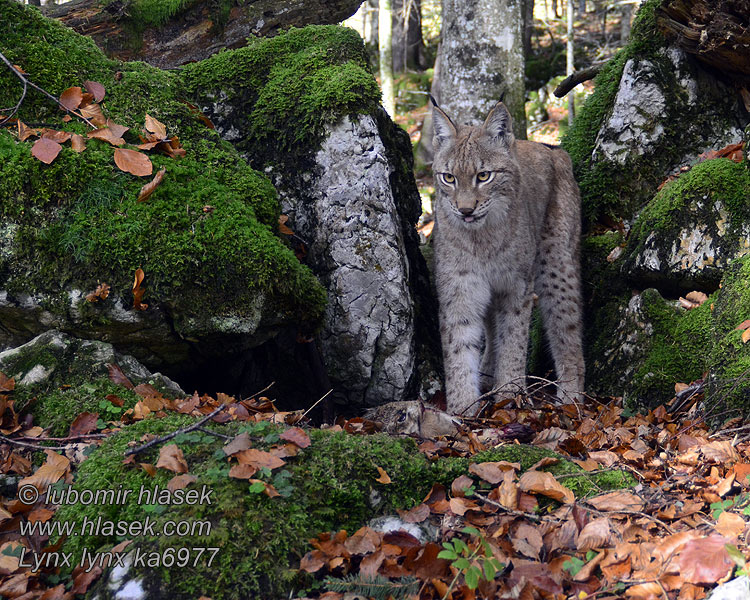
[739, 559]
[738, 502]
[475, 564]
[574, 564]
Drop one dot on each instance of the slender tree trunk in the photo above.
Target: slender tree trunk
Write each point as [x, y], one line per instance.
[528, 25]
[582, 6]
[570, 67]
[385, 43]
[626, 15]
[554, 9]
[414, 40]
[407, 35]
[482, 60]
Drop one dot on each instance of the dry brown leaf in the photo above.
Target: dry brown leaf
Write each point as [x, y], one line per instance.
[172, 459]
[7, 384]
[615, 501]
[53, 469]
[238, 444]
[744, 325]
[149, 188]
[180, 482]
[283, 228]
[384, 478]
[595, 534]
[363, 541]
[259, 459]
[117, 377]
[297, 436]
[84, 423]
[459, 506]
[697, 297]
[706, 560]
[730, 525]
[148, 468]
[745, 336]
[100, 293]
[527, 540]
[45, 150]
[155, 127]
[93, 112]
[56, 136]
[24, 132]
[132, 161]
[71, 98]
[138, 291]
[77, 143]
[96, 89]
[242, 471]
[106, 134]
[493, 472]
[544, 484]
[720, 451]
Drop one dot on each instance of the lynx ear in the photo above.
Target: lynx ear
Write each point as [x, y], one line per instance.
[498, 125]
[444, 130]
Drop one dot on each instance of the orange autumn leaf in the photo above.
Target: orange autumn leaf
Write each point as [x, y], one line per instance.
[54, 468]
[132, 161]
[384, 478]
[180, 482]
[149, 188]
[96, 89]
[108, 135]
[296, 436]
[172, 459]
[45, 150]
[77, 143]
[156, 127]
[138, 291]
[71, 98]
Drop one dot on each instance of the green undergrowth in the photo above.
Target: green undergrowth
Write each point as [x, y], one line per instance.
[285, 89]
[328, 486]
[207, 237]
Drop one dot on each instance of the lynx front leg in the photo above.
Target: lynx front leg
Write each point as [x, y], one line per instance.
[513, 318]
[463, 299]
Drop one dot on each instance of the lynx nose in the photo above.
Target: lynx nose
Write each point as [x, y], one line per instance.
[466, 211]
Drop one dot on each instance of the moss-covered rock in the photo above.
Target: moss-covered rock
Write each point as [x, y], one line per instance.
[653, 110]
[304, 107]
[328, 486]
[686, 236]
[217, 274]
[58, 377]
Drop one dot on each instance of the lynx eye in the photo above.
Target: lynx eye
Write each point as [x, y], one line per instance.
[447, 178]
[483, 176]
[402, 416]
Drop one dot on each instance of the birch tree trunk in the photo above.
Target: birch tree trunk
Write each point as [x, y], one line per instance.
[482, 60]
[385, 43]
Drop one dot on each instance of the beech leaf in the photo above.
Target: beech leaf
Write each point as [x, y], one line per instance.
[149, 188]
[71, 98]
[133, 162]
[45, 150]
[96, 89]
[172, 459]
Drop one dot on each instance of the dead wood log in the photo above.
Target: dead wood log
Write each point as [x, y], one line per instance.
[197, 31]
[717, 32]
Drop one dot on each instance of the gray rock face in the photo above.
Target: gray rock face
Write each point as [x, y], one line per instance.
[348, 214]
[694, 257]
[55, 357]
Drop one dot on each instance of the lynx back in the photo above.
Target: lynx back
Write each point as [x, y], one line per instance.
[507, 228]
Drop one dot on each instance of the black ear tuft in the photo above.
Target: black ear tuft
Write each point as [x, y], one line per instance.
[444, 131]
[432, 99]
[498, 125]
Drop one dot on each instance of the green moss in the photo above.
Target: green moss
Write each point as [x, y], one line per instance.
[719, 180]
[332, 487]
[677, 350]
[56, 408]
[207, 236]
[287, 88]
[600, 197]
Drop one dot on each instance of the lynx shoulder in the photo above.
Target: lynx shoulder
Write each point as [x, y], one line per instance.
[507, 228]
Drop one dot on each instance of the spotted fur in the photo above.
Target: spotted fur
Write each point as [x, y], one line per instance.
[507, 228]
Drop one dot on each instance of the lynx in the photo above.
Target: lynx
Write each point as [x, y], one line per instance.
[507, 228]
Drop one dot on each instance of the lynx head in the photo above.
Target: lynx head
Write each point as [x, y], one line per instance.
[476, 170]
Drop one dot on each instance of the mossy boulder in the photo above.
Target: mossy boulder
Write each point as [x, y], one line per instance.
[218, 277]
[57, 377]
[328, 486]
[304, 108]
[686, 236]
[654, 110]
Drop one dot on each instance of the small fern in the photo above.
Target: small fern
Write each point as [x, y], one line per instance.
[377, 587]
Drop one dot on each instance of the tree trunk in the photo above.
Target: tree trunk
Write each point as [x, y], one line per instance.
[626, 14]
[192, 34]
[570, 66]
[482, 60]
[528, 25]
[407, 35]
[385, 43]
